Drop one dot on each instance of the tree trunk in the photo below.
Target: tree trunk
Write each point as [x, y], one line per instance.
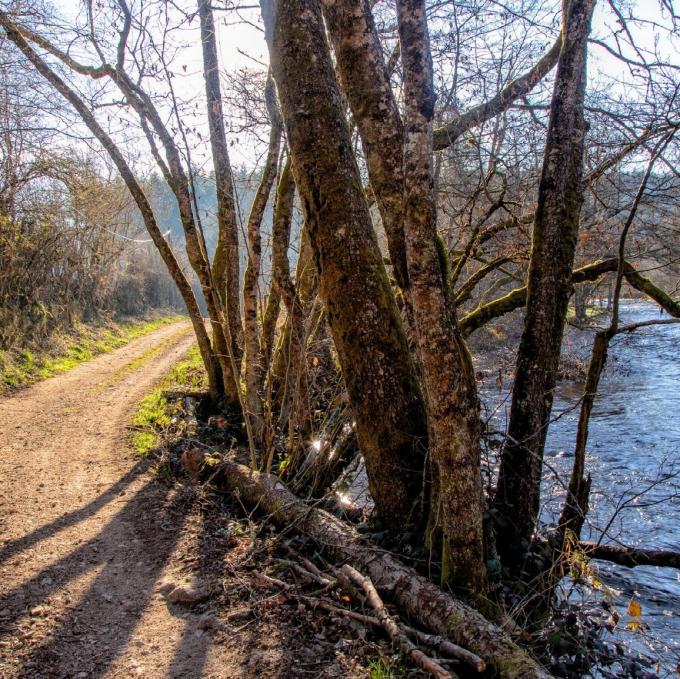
[366, 84]
[360, 307]
[631, 556]
[296, 388]
[225, 266]
[549, 288]
[452, 401]
[253, 369]
[306, 288]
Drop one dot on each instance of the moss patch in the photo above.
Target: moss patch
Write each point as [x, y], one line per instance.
[155, 413]
[66, 350]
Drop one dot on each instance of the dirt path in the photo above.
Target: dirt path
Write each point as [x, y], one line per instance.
[85, 533]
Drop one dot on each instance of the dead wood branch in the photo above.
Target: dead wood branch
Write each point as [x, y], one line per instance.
[631, 556]
[389, 624]
[421, 600]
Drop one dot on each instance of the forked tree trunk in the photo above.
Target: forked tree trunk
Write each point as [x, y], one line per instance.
[360, 307]
[549, 288]
[452, 401]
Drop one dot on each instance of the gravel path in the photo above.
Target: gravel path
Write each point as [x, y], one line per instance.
[85, 532]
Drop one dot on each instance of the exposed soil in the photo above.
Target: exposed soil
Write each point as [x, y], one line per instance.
[93, 546]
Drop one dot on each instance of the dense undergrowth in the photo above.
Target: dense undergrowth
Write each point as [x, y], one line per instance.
[65, 349]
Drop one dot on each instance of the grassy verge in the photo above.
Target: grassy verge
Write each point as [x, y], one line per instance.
[155, 413]
[67, 349]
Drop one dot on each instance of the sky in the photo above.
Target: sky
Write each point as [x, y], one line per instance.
[241, 44]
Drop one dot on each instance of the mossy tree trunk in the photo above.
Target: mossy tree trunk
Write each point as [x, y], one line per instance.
[452, 400]
[225, 265]
[353, 284]
[549, 288]
[366, 83]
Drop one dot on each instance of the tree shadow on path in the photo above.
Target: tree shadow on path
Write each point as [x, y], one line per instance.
[92, 632]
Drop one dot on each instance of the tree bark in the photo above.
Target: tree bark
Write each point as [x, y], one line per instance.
[353, 284]
[366, 84]
[225, 265]
[253, 368]
[549, 288]
[452, 401]
[296, 388]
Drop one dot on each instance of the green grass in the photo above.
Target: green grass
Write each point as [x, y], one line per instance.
[26, 366]
[154, 413]
[384, 669]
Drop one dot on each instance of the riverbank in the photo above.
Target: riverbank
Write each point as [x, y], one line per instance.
[632, 457]
[494, 346]
[613, 615]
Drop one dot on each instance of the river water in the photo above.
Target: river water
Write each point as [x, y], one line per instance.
[634, 459]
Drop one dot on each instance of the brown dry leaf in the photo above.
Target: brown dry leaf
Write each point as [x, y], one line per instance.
[634, 609]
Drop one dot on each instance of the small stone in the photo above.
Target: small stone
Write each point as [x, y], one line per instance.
[343, 645]
[188, 596]
[208, 621]
[165, 586]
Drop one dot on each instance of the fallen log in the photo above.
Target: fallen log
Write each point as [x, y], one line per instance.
[630, 556]
[421, 600]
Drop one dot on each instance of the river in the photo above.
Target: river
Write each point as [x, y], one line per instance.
[633, 457]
